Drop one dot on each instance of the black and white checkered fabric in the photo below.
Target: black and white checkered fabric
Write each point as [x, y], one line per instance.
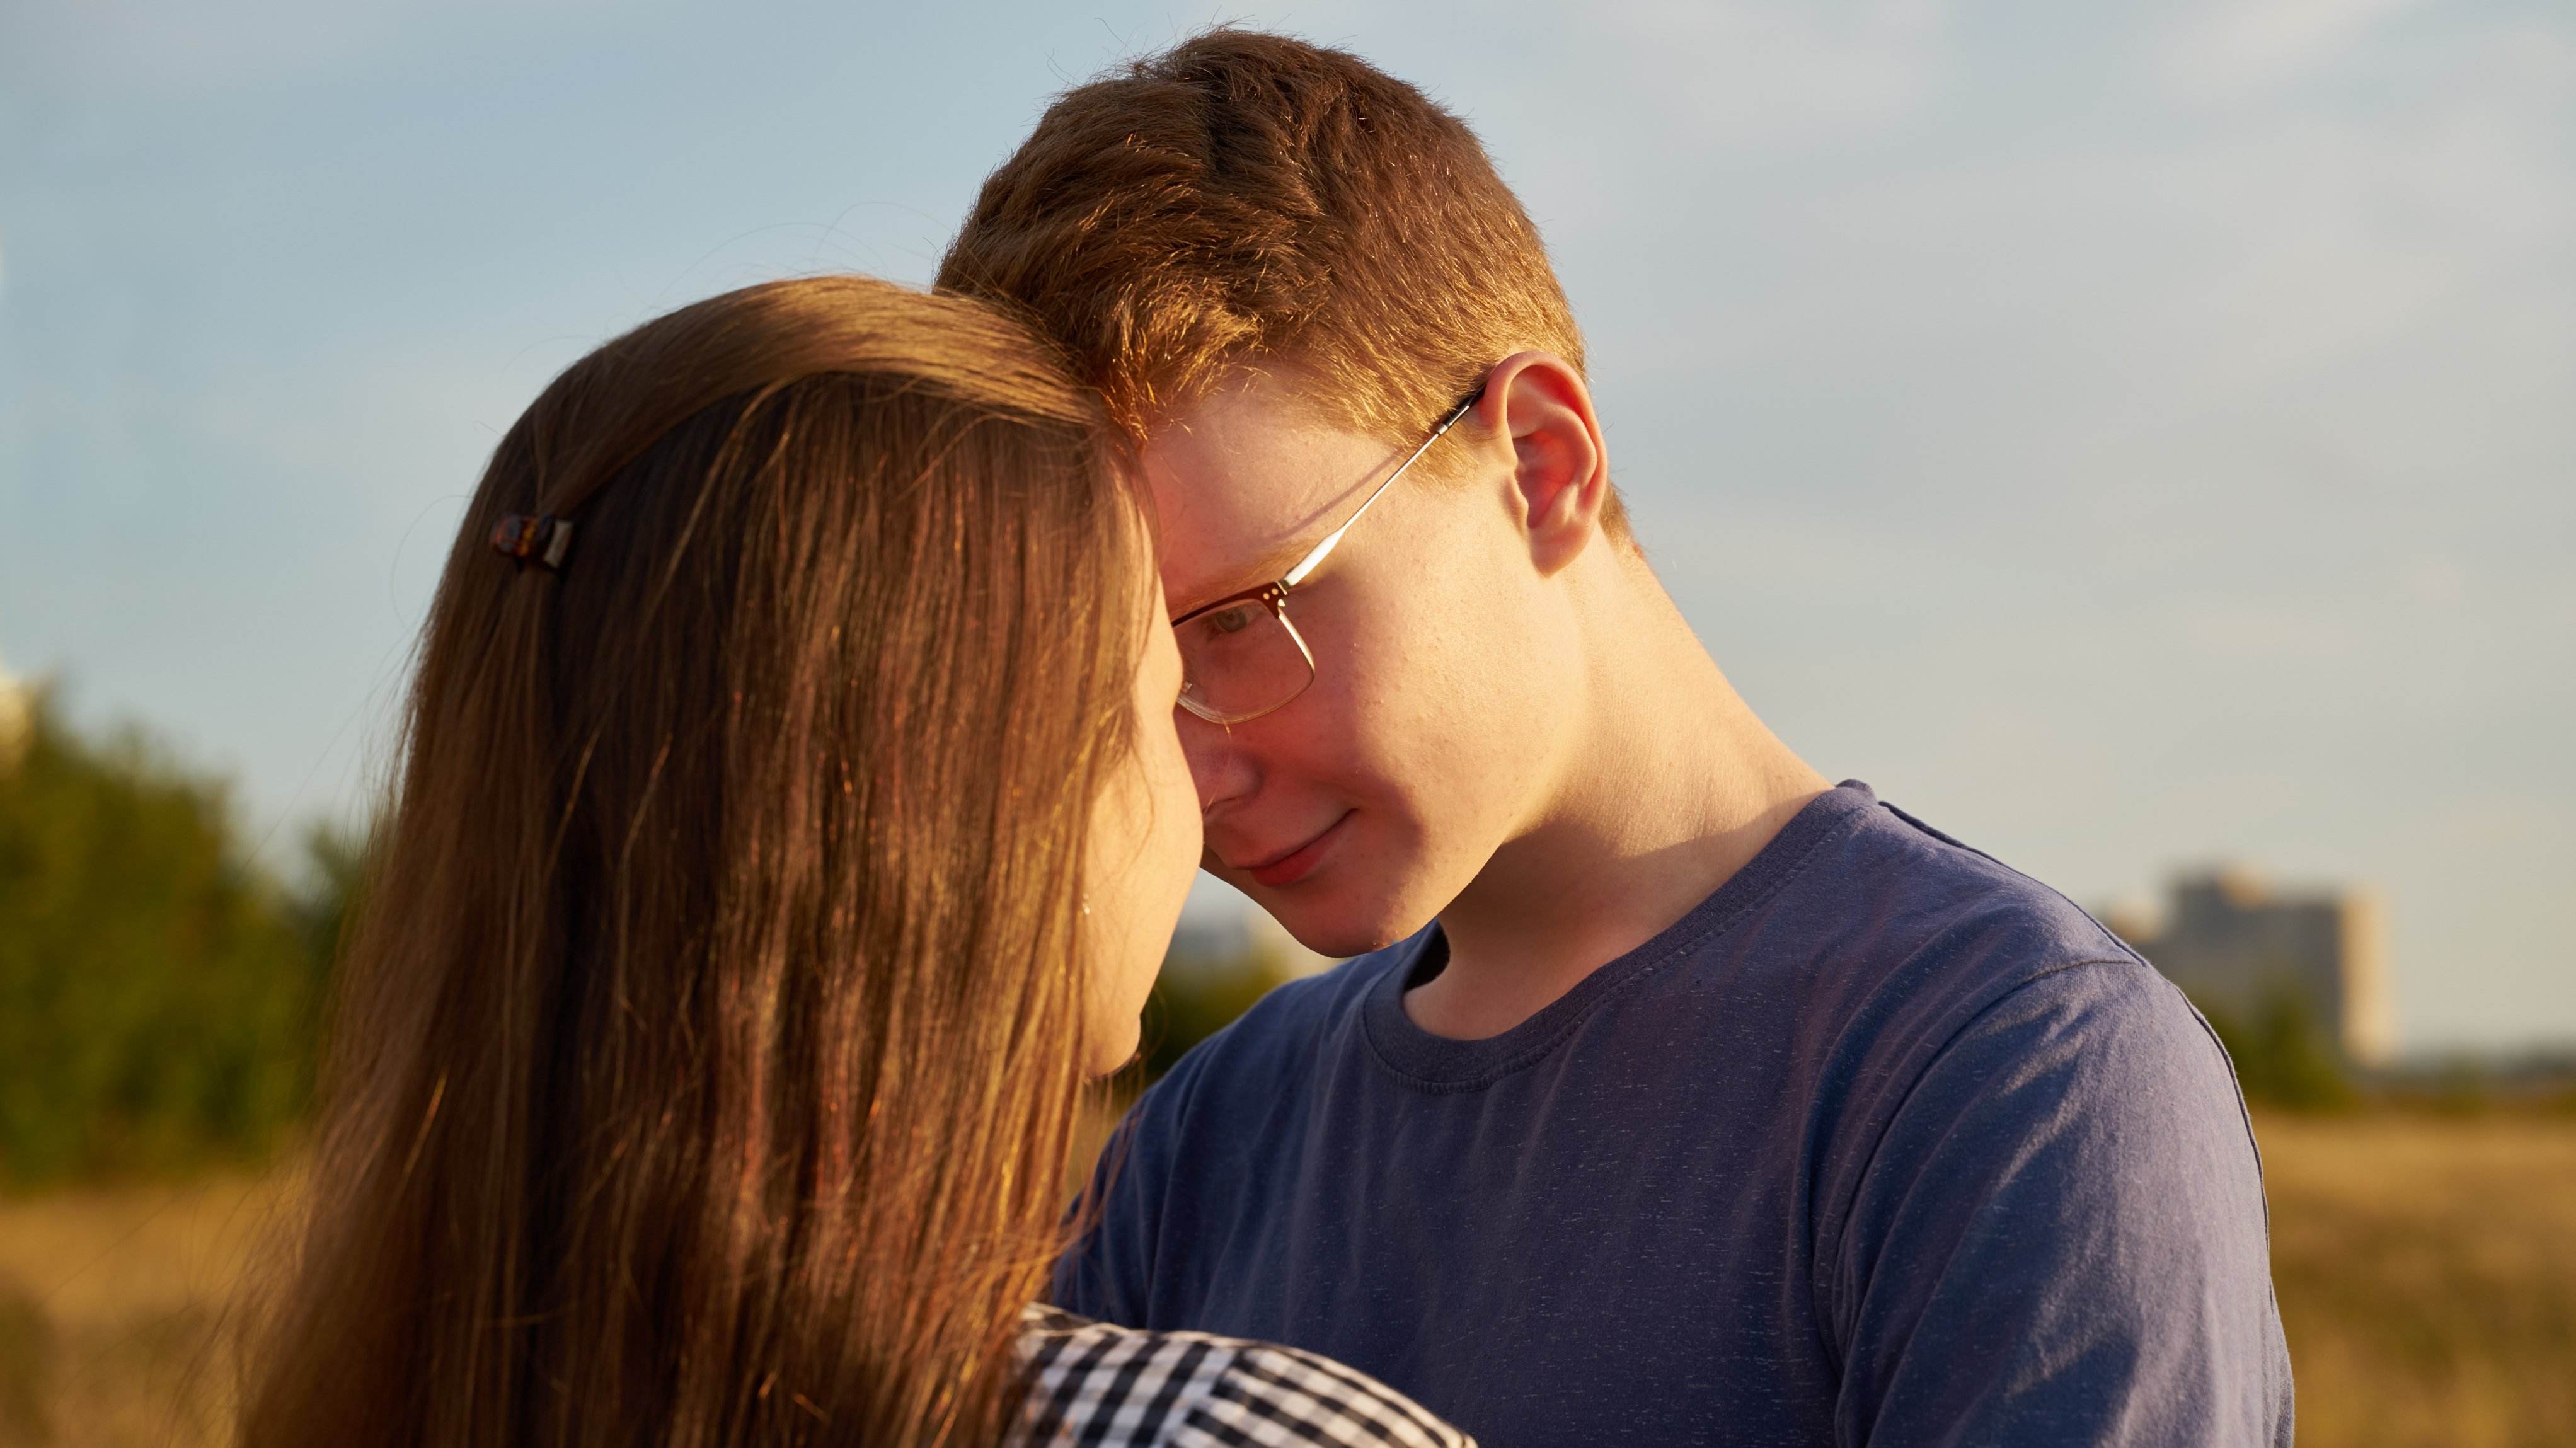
[1093, 1385]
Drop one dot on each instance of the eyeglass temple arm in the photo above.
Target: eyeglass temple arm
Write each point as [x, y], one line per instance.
[1324, 549]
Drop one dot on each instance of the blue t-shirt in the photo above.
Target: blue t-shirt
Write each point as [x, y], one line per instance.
[1882, 1143]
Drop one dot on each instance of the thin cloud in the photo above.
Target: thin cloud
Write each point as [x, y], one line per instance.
[2234, 48]
[1753, 75]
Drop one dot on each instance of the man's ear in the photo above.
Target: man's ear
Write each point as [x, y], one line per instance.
[1560, 463]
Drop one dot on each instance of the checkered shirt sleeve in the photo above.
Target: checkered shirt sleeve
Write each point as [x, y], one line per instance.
[1092, 1385]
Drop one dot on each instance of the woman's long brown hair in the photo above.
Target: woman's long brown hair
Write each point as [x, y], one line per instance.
[707, 1059]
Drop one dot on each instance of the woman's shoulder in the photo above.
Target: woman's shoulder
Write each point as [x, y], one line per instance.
[1093, 1382]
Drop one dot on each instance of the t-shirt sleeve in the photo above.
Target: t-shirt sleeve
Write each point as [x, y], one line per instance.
[1107, 1271]
[2059, 1236]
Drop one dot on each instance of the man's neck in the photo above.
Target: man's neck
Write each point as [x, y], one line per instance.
[1670, 786]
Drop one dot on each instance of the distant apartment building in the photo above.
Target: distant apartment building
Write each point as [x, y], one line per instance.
[2239, 947]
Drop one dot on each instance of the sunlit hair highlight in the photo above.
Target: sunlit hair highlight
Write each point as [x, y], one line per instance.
[1246, 202]
[705, 1065]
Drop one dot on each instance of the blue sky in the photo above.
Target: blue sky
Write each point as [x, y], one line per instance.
[2127, 435]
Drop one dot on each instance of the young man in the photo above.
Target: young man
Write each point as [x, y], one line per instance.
[1681, 1097]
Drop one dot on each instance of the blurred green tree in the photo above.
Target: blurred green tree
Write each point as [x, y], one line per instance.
[2283, 1056]
[1195, 1002]
[158, 992]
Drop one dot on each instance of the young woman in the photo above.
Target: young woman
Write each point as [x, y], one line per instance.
[790, 819]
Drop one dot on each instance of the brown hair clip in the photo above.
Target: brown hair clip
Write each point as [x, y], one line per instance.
[540, 539]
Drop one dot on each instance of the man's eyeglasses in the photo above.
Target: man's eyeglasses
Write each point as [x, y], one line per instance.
[1240, 656]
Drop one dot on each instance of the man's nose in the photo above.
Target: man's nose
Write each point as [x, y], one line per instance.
[1219, 766]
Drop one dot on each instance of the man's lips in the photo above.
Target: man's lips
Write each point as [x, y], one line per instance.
[1294, 865]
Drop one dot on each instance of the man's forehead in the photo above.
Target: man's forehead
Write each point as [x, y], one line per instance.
[1244, 482]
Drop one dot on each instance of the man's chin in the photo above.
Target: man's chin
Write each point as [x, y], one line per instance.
[1325, 915]
[1334, 928]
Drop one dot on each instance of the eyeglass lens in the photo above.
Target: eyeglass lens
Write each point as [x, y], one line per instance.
[1241, 661]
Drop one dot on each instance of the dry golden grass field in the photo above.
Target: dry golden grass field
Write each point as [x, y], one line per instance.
[113, 1311]
[2427, 1273]
[2426, 1268]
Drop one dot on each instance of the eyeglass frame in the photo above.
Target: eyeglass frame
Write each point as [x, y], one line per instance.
[1274, 594]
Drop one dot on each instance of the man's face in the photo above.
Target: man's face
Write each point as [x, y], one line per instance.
[1358, 810]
